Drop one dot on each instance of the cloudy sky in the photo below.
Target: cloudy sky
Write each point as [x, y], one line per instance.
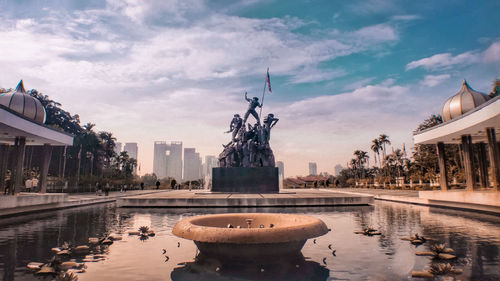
[342, 72]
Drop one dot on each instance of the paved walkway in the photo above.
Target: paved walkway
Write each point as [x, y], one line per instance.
[285, 198]
[406, 193]
[112, 195]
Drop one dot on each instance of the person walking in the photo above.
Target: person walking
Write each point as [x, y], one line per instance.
[157, 184]
[142, 186]
[8, 185]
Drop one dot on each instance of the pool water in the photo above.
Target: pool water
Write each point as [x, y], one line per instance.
[474, 237]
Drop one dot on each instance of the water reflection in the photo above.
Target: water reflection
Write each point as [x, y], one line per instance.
[285, 268]
[474, 237]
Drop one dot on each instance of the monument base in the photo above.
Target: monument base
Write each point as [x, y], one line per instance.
[245, 180]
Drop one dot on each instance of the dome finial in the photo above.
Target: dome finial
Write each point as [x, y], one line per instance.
[20, 87]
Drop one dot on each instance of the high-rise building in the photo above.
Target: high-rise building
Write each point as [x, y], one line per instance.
[167, 160]
[210, 162]
[160, 159]
[132, 150]
[313, 168]
[281, 172]
[174, 160]
[192, 164]
[118, 147]
[338, 168]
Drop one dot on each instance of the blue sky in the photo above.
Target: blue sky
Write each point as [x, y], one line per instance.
[342, 71]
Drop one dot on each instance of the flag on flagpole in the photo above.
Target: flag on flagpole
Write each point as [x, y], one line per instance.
[268, 81]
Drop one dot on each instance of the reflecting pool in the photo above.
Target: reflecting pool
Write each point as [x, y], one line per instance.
[474, 237]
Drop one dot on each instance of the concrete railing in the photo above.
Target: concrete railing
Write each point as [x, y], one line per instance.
[30, 199]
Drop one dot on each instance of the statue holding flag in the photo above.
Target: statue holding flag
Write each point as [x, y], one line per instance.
[249, 147]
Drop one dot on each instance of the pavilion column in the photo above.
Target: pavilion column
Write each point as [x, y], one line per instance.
[44, 170]
[4, 158]
[468, 163]
[483, 170]
[20, 148]
[494, 158]
[443, 173]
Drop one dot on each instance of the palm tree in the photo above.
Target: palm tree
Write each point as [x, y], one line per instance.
[354, 166]
[383, 139]
[376, 149]
[109, 144]
[361, 158]
[399, 160]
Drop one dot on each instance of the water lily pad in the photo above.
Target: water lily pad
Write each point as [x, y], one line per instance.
[46, 270]
[424, 253]
[446, 256]
[422, 274]
[34, 265]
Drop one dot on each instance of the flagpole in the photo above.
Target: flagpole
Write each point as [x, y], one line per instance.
[263, 92]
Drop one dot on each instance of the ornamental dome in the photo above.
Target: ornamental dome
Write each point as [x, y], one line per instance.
[19, 101]
[465, 100]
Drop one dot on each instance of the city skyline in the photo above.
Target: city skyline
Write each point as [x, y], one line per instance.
[341, 73]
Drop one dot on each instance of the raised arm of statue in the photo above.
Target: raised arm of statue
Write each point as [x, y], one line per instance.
[247, 97]
[275, 120]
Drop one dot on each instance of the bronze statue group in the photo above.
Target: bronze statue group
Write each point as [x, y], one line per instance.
[249, 146]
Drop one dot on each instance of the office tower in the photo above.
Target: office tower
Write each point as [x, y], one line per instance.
[174, 160]
[281, 172]
[118, 147]
[160, 159]
[192, 164]
[313, 168]
[167, 160]
[132, 150]
[210, 162]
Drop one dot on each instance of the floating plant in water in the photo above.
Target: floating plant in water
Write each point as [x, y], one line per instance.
[443, 269]
[438, 251]
[415, 239]
[368, 231]
[144, 229]
[63, 266]
[437, 269]
[144, 233]
[67, 276]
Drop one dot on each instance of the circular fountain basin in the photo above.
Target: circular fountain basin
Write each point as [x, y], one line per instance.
[247, 235]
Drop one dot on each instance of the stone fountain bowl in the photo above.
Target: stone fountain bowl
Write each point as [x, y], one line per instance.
[231, 235]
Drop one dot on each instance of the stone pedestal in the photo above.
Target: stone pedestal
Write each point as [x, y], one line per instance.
[245, 180]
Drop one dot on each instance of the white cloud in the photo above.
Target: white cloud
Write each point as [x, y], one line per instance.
[434, 80]
[405, 17]
[447, 60]
[492, 54]
[444, 60]
[358, 84]
[377, 33]
[388, 82]
[309, 75]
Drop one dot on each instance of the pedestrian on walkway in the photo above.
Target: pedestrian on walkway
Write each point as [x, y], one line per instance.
[8, 185]
[157, 184]
[142, 186]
